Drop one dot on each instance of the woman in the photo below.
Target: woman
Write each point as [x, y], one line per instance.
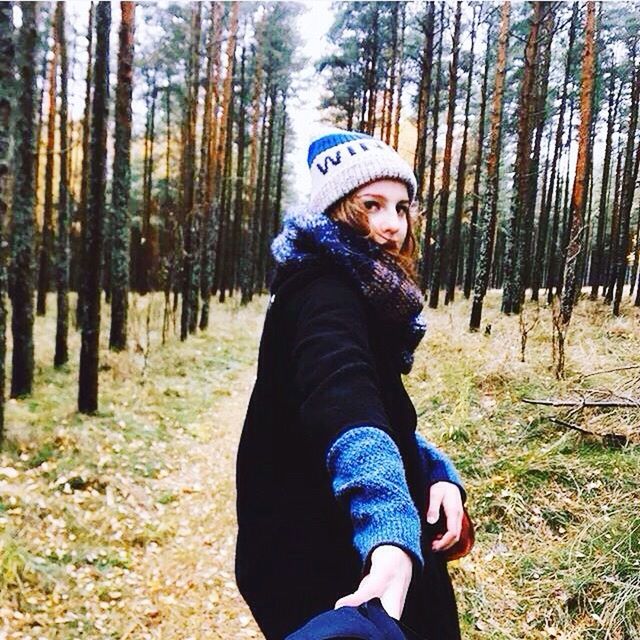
[332, 480]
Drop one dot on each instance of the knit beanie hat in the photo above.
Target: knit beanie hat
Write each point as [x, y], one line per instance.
[341, 161]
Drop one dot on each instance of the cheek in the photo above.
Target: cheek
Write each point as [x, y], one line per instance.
[404, 228]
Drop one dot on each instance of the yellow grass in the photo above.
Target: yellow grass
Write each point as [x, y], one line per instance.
[121, 525]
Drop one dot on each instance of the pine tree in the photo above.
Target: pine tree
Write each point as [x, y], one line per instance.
[23, 218]
[426, 266]
[515, 220]
[424, 93]
[61, 355]
[86, 140]
[490, 204]
[629, 179]
[119, 262]
[191, 226]
[578, 197]
[46, 238]
[469, 271]
[6, 151]
[94, 218]
[439, 255]
[454, 244]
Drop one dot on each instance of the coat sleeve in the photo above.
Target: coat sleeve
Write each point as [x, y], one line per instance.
[367, 475]
[333, 368]
[437, 466]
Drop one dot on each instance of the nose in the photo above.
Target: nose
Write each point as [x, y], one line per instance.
[390, 222]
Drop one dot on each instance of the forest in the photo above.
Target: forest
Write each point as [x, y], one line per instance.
[148, 155]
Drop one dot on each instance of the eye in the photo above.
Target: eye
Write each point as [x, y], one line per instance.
[403, 209]
[371, 205]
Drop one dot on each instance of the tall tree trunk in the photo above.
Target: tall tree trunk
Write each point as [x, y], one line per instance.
[210, 215]
[522, 164]
[257, 218]
[146, 249]
[251, 234]
[578, 197]
[93, 229]
[389, 93]
[469, 270]
[239, 208]
[420, 156]
[426, 266]
[372, 80]
[629, 178]
[439, 253]
[490, 204]
[6, 152]
[223, 160]
[266, 230]
[84, 184]
[541, 247]
[46, 238]
[527, 231]
[610, 271]
[454, 241]
[120, 238]
[188, 174]
[398, 111]
[39, 126]
[23, 215]
[61, 355]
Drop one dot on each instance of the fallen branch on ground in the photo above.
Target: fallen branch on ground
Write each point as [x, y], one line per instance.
[612, 436]
[562, 402]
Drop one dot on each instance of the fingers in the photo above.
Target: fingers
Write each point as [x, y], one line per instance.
[451, 502]
[388, 579]
[436, 494]
[391, 600]
[364, 592]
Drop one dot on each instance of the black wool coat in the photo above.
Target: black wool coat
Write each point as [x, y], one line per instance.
[324, 365]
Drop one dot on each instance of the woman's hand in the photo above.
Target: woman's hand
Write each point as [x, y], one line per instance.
[388, 579]
[445, 495]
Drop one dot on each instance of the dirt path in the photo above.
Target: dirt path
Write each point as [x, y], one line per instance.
[190, 577]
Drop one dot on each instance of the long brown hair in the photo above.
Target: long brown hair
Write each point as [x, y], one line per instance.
[351, 210]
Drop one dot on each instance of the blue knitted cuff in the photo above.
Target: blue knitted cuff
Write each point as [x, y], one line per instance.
[437, 466]
[368, 476]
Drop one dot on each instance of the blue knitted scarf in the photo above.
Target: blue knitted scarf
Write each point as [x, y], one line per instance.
[314, 238]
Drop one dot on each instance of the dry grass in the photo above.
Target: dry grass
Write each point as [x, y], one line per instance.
[121, 525]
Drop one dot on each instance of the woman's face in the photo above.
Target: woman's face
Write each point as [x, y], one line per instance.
[387, 203]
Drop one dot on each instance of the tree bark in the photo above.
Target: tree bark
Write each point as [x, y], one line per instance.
[454, 240]
[469, 271]
[7, 53]
[420, 156]
[522, 165]
[46, 238]
[120, 236]
[61, 355]
[188, 214]
[93, 229]
[398, 111]
[547, 204]
[527, 232]
[629, 179]
[86, 138]
[490, 205]
[439, 253]
[23, 215]
[580, 183]
[426, 266]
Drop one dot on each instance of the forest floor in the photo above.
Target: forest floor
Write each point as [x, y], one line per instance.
[121, 525]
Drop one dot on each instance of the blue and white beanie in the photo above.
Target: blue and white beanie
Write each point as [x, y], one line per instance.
[341, 161]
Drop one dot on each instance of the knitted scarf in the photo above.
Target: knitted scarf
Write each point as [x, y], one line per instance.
[314, 238]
